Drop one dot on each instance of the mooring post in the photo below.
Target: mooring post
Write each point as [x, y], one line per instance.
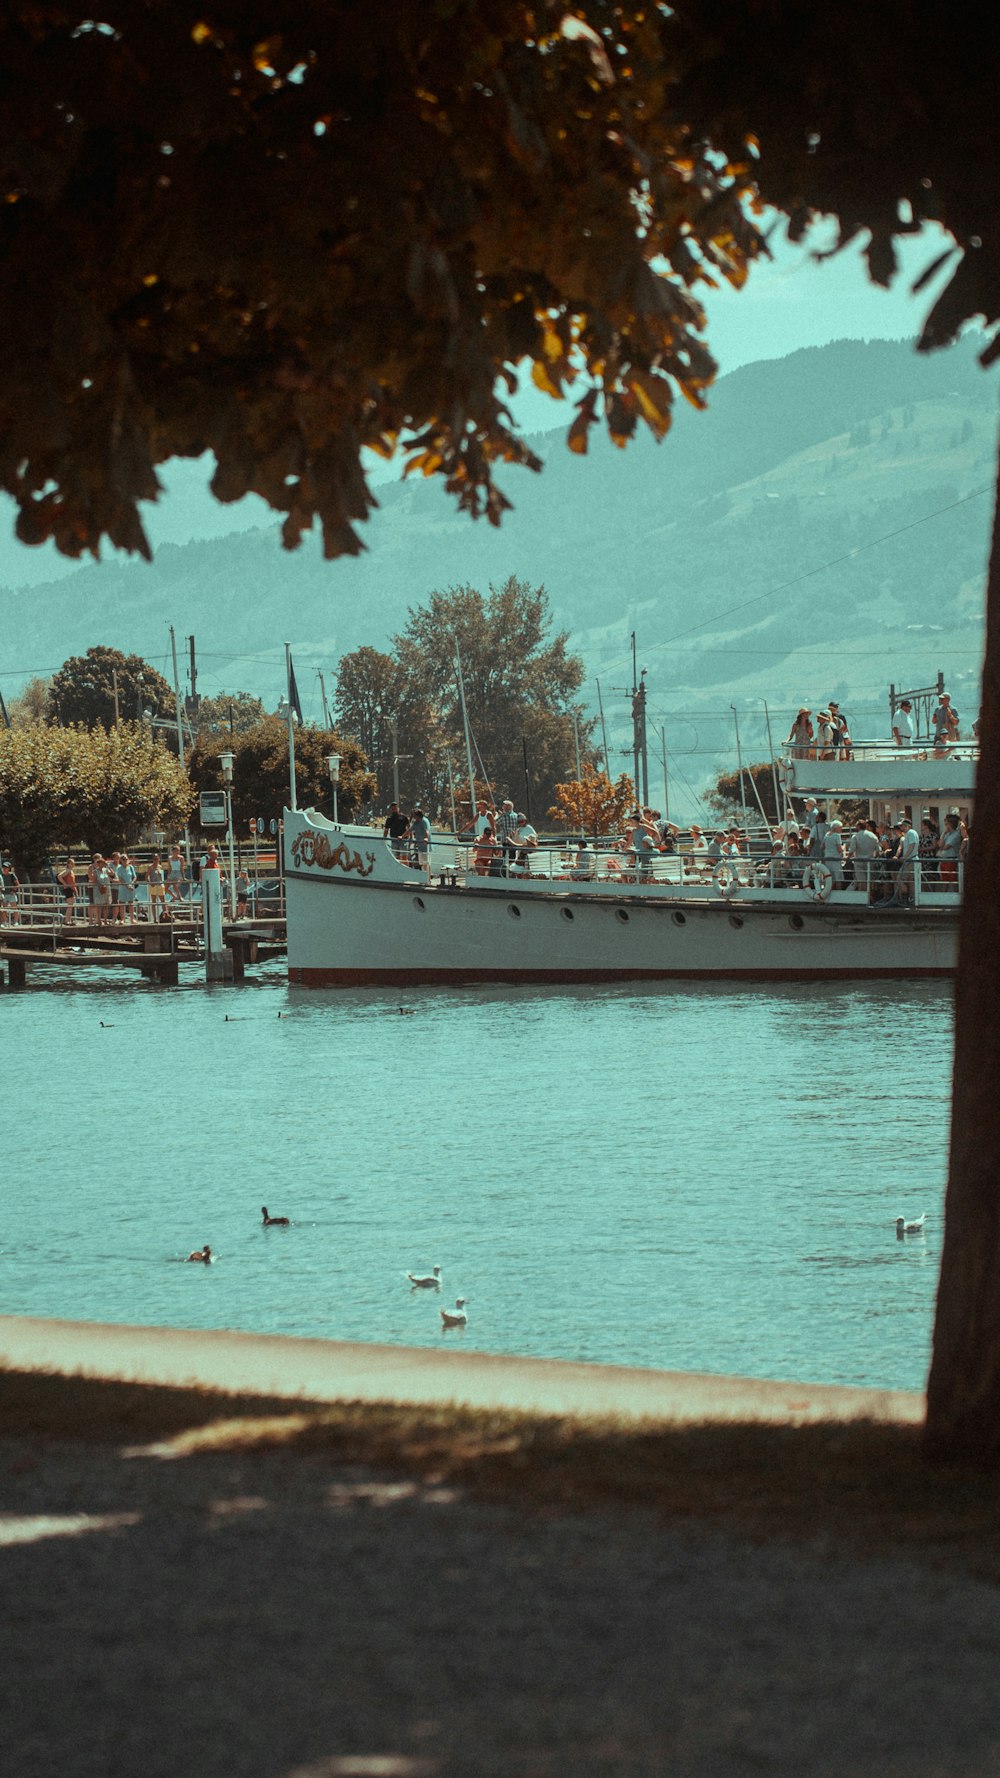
[218, 961]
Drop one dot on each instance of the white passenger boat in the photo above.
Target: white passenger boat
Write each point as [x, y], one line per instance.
[358, 915]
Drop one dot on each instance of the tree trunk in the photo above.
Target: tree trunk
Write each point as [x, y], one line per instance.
[963, 1392]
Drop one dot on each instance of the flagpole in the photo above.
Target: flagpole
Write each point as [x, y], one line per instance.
[293, 798]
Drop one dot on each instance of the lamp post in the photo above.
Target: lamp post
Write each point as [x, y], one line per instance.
[227, 761]
[333, 766]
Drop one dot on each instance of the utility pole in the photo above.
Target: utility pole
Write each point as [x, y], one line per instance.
[604, 732]
[194, 700]
[639, 746]
[666, 792]
[326, 707]
[114, 683]
[527, 781]
[635, 724]
[394, 732]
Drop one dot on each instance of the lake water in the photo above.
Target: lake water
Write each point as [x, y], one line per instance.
[689, 1176]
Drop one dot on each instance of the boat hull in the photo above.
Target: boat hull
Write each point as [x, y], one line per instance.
[350, 934]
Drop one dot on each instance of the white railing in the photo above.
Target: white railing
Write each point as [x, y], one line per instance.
[43, 906]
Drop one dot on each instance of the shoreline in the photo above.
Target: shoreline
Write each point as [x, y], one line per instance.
[337, 1371]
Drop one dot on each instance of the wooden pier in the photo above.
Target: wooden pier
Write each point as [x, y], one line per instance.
[156, 949]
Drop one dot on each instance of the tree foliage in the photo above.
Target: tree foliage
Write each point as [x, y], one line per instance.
[592, 803]
[60, 787]
[229, 713]
[260, 770]
[83, 690]
[519, 681]
[726, 797]
[284, 234]
[374, 692]
[34, 703]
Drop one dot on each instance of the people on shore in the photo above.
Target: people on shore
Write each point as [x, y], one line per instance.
[10, 894]
[176, 875]
[99, 879]
[156, 886]
[127, 877]
[66, 878]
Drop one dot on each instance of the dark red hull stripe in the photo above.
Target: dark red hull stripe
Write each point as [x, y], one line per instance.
[411, 978]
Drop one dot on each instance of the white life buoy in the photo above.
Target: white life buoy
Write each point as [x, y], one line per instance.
[726, 878]
[820, 882]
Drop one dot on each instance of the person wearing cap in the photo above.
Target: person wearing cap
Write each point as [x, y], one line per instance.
[902, 725]
[699, 849]
[524, 839]
[841, 731]
[945, 723]
[801, 734]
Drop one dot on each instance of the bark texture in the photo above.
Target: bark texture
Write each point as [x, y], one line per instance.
[963, 1401]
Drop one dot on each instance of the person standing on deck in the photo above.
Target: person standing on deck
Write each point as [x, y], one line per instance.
[484, 819]
[126, 874]
[506, 828]
[801, 734]
[906, 854]
[945, 722]
[420, 833]
[833, 852]
[395, 828]
[841, 731]
[862, 848]
[176, 874]
[67, 883]
[902, 725]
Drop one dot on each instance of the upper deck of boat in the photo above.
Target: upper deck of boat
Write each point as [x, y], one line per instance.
[881, 769]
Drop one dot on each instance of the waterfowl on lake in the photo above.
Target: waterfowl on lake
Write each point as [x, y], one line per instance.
[426, 1280]
[455, 1317]
[911, 1228]
[204, 1254]
[273, 1222]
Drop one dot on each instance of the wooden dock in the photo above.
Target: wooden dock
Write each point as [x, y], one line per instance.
[157, 950]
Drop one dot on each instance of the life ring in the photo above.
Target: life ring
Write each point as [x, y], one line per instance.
[820, 884]
[726, 878]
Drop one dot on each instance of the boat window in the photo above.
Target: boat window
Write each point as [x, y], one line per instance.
[418, 903]
[796, 922]
[679, 919]
[736, 920]
[514, 912]
[621, 915]
[567, 913]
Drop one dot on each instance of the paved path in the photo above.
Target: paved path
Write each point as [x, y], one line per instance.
[336, 1370]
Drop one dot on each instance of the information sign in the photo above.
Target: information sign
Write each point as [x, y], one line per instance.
[212, 808]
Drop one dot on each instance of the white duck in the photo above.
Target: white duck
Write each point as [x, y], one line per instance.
[910, 1228]
[426, 1280]
[455, 1317]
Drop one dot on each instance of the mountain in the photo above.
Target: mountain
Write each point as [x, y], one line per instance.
[817, 532]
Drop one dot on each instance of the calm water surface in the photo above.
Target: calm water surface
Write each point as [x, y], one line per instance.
[695, 1177]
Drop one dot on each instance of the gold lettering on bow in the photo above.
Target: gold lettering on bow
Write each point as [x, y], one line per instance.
[315, 848]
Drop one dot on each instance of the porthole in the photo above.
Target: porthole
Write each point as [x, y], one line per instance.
[796, 922]
[418, 903]
[567, 913]
[736, 921]
[678, 918]
[621, 915]
[513, 911]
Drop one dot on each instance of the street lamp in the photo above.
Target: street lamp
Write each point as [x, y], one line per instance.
[333, 767]
[227, 761]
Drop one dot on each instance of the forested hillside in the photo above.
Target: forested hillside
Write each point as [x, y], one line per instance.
[796, 464]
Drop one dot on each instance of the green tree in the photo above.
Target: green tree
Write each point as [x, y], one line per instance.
[726, 797]
[229, 713]
[374, 695]
[83, 690]
[260, 771]
[34, 703]
[60, 787]
[519, 683]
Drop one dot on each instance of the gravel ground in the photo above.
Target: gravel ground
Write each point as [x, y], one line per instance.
[274, 1615]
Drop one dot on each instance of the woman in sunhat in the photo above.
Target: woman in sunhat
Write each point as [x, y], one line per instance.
[800, 738]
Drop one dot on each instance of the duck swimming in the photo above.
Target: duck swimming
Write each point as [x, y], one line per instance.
[426, 1280]
[273, 1222]
[455, 1317]
[204, 1254]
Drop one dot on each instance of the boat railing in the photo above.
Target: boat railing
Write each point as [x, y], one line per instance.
[887, 749]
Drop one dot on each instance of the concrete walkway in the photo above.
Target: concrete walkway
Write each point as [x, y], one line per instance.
[336, 1370]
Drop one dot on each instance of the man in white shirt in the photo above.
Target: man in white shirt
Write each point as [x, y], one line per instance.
[483, 821]
[862, 847]
[902, 725]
